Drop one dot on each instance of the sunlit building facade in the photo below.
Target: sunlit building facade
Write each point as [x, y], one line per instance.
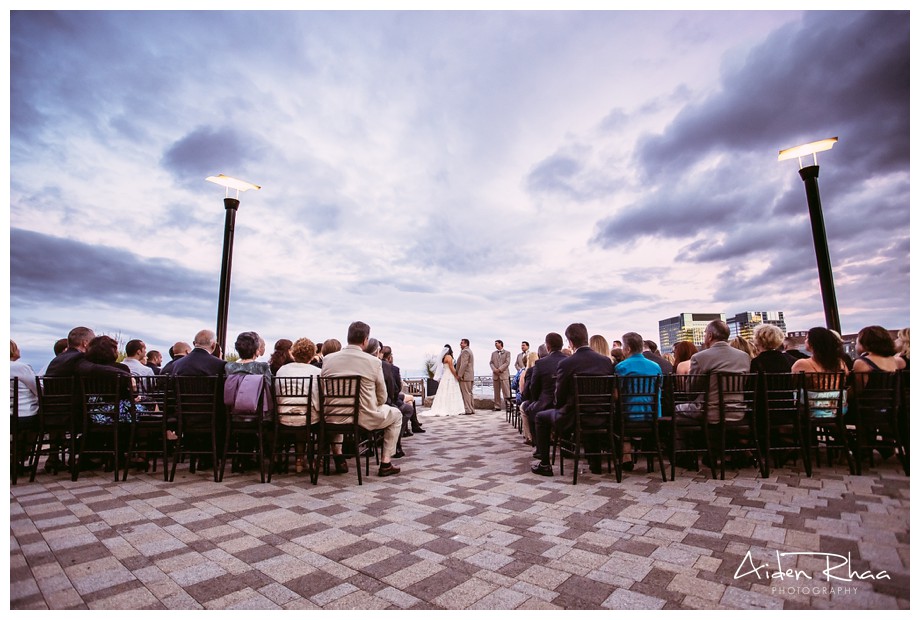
[685, 326]
[743, 324]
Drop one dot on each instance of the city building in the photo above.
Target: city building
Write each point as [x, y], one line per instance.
[743, 324]
[685, 326]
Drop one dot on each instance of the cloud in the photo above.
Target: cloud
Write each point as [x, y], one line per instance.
[46, 270]
[209, 150]
[705, 171]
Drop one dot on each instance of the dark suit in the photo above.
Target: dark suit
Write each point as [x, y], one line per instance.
[198, 363]
[667, 368]
[540, 388]
[771, 361]
[583, 361]
[394, 382]
[65, 364]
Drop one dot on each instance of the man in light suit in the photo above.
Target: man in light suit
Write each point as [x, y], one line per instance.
[501, 377]
[465, 375]
[373, 413]
[718, 356]
[521, 360]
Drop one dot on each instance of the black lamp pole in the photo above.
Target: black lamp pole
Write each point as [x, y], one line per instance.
[223, 303]
[809, 175]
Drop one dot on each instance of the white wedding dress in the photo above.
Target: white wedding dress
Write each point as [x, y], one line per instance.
[448, 400]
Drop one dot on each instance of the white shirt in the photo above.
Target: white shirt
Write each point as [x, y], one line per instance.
[28, 392]
[137, 368]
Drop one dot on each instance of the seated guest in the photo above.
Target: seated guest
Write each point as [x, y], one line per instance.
[374, 413]
[583, 361]
[100, 362]
[395, 396]
[178, 350]
[247, 346]
[650, 351]
[827, 356]
[790, 349]
[154, 359]
[540, 389]
[876, 351]
[281, 355]
[617, 355]
[302, 352]
[27, 412]
[65, 363]
[636, 364]
[718, 357]
[599, 344]
[530, 358]
[135, 358]
[743, 344]
[683, 351]
[902, 344]
[200, 361]
[374, 347]
[768, 341]
[826, 353]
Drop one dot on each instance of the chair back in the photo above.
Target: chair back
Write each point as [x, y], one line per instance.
[877, 397]
[638, 398]
[293, 396]
[595, 402]
[685, 393]
[55, 403]
[198, 399]
[155, 397]
[104, 397]
[779, 397]
[737, 395]
[340, 400]
[824, 394]
[14, 404]
[414, 388]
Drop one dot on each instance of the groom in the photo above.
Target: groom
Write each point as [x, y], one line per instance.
[465, 375]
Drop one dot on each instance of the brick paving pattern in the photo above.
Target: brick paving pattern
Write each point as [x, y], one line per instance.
[465, 526]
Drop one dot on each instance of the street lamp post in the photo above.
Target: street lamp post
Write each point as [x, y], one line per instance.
[809, 176]
[230, 206]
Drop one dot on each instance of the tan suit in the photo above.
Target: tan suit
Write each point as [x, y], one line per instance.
[465, 376]
[501, 378]
[374, 413]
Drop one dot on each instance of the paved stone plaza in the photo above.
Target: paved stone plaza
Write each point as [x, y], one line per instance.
[465, 526]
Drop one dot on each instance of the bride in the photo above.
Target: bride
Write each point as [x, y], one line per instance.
[448, 400]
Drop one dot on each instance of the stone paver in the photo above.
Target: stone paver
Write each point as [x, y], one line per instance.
[465, 526]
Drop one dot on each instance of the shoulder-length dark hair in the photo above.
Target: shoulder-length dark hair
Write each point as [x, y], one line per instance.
[876, 339]
[683, 350]
[825, 347]
[102, 350]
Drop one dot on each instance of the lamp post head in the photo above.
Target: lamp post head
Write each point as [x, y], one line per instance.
[232, 183]
[812, 148]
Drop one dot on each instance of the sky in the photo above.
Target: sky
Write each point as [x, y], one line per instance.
[445, 175]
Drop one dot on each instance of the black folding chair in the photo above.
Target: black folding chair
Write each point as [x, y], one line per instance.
[58, 412]
[638, 410]
[108, 412]
[824, 398]
[148, 432]
[293, 397]
[875, 412]
[592, 432]
[737, 418]
[780, 420]
[686, 400]
[199, 400]
[340, 403]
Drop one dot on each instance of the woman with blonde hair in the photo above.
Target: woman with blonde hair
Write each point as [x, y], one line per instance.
[743, 344]
[768, 340]
[902, 344]
[599, 344]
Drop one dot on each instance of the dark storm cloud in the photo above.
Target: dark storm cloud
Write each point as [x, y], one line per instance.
[44, 270]
[840, 73]
[209, 150]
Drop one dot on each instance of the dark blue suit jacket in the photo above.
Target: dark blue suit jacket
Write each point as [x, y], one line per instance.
[198, 363]
[540, 383]
[65, 364]
[584, 361]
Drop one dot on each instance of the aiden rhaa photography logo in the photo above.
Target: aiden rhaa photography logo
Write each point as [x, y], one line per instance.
[837, 577]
